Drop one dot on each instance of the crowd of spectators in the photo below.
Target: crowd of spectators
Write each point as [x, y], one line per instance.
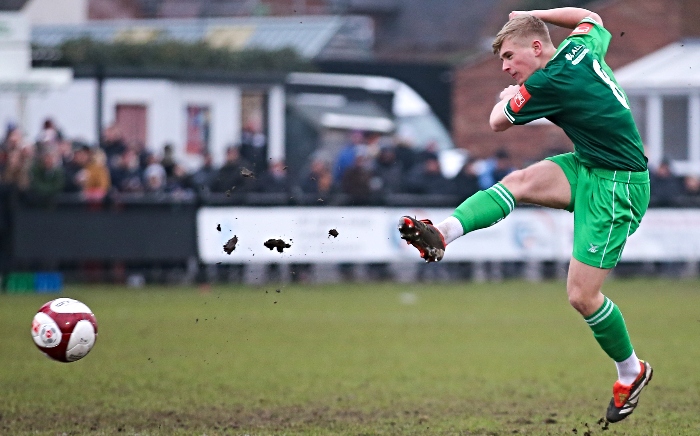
[368, 170]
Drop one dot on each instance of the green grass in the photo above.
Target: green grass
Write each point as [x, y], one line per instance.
[495, 358]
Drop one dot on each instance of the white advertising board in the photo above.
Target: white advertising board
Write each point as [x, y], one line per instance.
[369, 235]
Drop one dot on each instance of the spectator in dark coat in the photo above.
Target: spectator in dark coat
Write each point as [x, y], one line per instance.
[274, 180]
[127, 176]
[691, 192]
[427, 178]
[387, 170]
[233, 174]
[405, 156]
[356, 182]
[429, 152]
[178, 182]
[201, 180]
[73, 169]
[168, 159]
[113, 144]
[466, 182]
[666, 187]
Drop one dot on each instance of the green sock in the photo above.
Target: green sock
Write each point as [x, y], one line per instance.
[610, 331]
[485, 208]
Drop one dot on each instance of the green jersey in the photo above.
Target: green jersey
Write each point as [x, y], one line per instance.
[576, 91]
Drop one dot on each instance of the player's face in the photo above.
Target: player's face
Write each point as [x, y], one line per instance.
[520, 58]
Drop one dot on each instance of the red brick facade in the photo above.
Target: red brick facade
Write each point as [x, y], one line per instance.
[639, 27]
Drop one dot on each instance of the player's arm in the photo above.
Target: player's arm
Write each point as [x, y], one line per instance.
[498, 120]
[562, 17]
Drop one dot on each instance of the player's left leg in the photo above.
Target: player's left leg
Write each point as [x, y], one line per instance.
[543, 183]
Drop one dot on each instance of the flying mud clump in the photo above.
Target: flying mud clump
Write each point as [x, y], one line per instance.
[279, 244]
[231, 244]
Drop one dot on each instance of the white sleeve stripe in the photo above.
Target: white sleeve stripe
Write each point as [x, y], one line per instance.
[508, 116]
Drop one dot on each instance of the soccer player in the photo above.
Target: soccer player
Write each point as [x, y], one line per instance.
[604, 182]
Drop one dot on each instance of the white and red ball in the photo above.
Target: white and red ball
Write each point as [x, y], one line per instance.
[64, 329]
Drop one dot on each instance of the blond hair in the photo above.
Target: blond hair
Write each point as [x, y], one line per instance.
[520, 27]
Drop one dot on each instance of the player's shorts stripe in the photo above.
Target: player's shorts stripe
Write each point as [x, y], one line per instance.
[509, 116]
[504, 195]
[604, 311]
[601, 316]
[629, 226]
[612, 221]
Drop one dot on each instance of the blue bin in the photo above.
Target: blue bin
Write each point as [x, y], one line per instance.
[48, 282]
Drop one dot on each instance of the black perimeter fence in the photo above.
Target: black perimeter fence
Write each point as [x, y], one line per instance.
[152, 238]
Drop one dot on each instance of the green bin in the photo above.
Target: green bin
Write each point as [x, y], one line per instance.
[20, 283]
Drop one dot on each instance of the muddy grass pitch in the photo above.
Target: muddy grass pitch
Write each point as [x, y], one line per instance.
[464, 359]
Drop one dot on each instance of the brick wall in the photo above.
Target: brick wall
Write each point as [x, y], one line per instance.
[648, 25]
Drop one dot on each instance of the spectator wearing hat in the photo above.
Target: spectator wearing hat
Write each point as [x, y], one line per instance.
[155, 178]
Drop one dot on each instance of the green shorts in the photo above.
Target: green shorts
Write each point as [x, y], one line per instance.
[608, 206]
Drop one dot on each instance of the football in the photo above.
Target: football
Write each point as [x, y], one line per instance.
[64, 329]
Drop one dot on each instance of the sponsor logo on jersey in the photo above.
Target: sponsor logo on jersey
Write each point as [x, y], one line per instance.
[576, 54]
[582, 29]
[573, 51]
[519, 100]
[593, 248]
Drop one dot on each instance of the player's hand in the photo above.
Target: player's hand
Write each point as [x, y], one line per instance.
[509, 92]
[514, 14]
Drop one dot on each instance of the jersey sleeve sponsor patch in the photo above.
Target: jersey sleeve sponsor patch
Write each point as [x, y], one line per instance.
[519, 99]
[582, 29]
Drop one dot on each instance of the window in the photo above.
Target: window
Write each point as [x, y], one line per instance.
[675, 127]
[254, 133]
[131, 119]
[198, 118]
[253, 111]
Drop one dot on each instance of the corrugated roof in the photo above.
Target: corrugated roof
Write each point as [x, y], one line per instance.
[308, 35]
[676, 66]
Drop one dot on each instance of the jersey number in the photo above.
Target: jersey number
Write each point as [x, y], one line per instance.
[615, 90]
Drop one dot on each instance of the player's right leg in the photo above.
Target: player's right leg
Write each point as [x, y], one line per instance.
[605, 319]
[609, 206]
[543, 183]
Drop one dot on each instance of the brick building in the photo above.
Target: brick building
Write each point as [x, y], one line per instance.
[638, 27]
